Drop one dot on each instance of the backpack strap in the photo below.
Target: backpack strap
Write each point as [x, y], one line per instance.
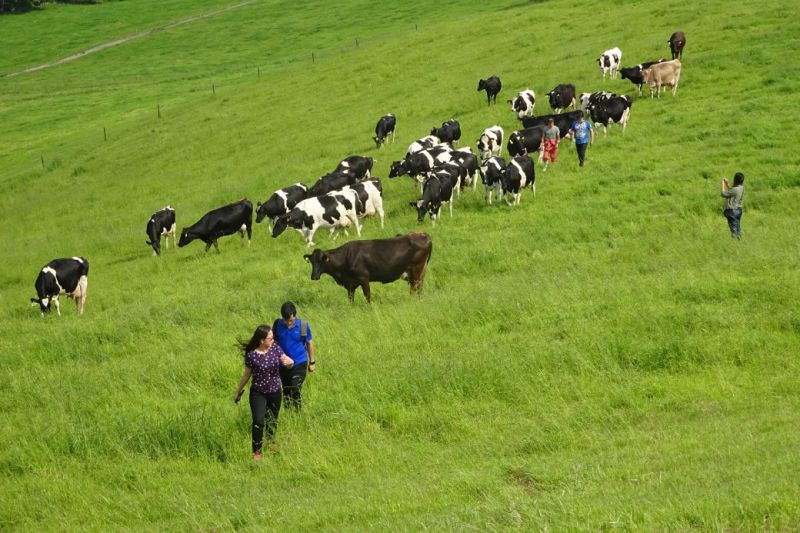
[303, 331]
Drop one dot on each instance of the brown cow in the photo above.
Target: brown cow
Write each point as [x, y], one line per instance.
[660, 74]
[676, 43]
[357, 263]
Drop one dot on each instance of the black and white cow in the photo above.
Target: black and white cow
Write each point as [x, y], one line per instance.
[561, 120]
[281, 202]
[384, 128]
[561, 97]
[518, 175]
[161, 223]
[370, 198]
[525, 141]
[492, 172]
[468, 163]
[331, 182]
[225, 220]
[634, 74]
[333, 211]
[523, 104]
[492, 87]
[449, 132]
[68, 276]
[491, 142]
[436, 190]
[615, 110]
[610, 61]
[594, 98]
[429, 141]
[357, 165]
[417, 164]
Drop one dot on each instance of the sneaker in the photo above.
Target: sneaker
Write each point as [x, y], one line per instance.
[257, 456]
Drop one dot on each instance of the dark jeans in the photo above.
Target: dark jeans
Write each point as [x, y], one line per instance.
[265, 408]
[581, 148]
[292, 380]
[734, 217]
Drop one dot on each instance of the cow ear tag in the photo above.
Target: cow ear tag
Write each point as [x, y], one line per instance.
[327, 259]
[306, 257]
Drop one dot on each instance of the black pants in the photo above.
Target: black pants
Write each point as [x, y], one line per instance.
[292, 380]
[581, 149]
[265, 408]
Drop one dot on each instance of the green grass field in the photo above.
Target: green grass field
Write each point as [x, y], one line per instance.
[603, 356]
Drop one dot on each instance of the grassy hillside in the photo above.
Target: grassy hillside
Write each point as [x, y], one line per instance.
[602, 356]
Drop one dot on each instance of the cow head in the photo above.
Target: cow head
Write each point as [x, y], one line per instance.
[318, 260]
[43, 303]
[186, 238]
[398, 168]
[281, 223]
[482, 85]
[261, 211]
[516, 144]
[378, 141]
[154, 239]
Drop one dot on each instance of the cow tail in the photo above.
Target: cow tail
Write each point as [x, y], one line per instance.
[428, 260]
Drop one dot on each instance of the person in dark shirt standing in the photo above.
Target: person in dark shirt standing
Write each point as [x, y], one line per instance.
[734, 197]
[262, 359]
[294, 337]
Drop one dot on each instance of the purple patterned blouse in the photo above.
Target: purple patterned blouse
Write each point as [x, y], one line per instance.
[264, 366]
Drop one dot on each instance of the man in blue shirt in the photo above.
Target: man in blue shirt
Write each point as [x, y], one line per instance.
[294, 337]
[584, 136]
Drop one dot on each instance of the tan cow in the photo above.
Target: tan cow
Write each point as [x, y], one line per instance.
[660, 74]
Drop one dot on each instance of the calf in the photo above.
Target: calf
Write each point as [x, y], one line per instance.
[449, 133]
[561, 97]
[331, 182]
[370, 198]
[492, 172]
[523, 104]
[161, 223]
[615, 110]
[527, 140]
[490, 142]
[357, 263]
[226, 220]
[518, 175]
[609, 62]
[492, 87]
[634, 74]
[384, 128]
[676, 43]
[62, 276]
[280, 203]
[661, 74]
[326, 211]
[357, 165]
[437, 189]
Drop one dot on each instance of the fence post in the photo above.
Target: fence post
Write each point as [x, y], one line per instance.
[213, 89]
[105, 136]
[356, 43]
[41, 156]
[158, 110]
[312, 57]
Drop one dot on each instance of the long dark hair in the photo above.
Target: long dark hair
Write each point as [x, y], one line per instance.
[258, 335]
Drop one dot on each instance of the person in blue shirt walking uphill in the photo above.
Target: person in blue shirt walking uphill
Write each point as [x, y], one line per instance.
[262, 359]
[294, 337]
[584, 136]
[734, 196]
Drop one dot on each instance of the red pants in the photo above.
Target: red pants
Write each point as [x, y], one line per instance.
[551, 151]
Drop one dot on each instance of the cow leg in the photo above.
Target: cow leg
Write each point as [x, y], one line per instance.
[354, 220]
[309, 235]
[216, 246]
[208, 245]
[351, 293]
[57, 304]
[365, 290]
[533, 186]
[450, 205]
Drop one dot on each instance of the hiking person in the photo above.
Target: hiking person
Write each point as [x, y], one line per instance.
[584, 136]
[294, 337]
[734, 197]
[552, 136]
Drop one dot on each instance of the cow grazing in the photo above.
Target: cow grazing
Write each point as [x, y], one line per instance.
[419, 163]
[523, 103]
[429, 141]
[610, 61]
[661, 74]
[280, 203]
[357, 263]
[594, 98]
[384, 128]
[492, 87]
[357, 165]
[492, 172]
[561, 97]
[331, 182]
[634, 74]
[320, 212]
[615, 110]
[68, 276]
[562, 120]
[490, 142]
[525, 141]
[161, 223]
[226, 220]
[449, 132]
[370, 198]
[676, 43]
[436, 190]
[518, 175]
[468, 164]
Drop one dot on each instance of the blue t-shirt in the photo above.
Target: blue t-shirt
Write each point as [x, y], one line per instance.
[290, 342]
[582, 131]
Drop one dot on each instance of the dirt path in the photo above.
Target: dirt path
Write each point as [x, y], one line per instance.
[124, 40]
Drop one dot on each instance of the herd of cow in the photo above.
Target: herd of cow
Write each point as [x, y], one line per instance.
[342, 197]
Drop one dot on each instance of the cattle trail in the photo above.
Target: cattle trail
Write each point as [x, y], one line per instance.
[116, 42]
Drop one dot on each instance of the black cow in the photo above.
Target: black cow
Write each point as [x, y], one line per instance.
[526, 140]
[634, 74]
[226, 220]
[331, 182]
[561, 97]
[384, 128]
[161, 223]
[676, 43]
[519, 174]
[357, 263]
[562, 120]
[492, 87]
[449, 133]
[492, 172]
[615, 110]
[281, 202]
[68, 276]
[357, 165]
[437, 189]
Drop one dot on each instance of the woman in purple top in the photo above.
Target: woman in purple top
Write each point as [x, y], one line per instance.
[262, 360]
